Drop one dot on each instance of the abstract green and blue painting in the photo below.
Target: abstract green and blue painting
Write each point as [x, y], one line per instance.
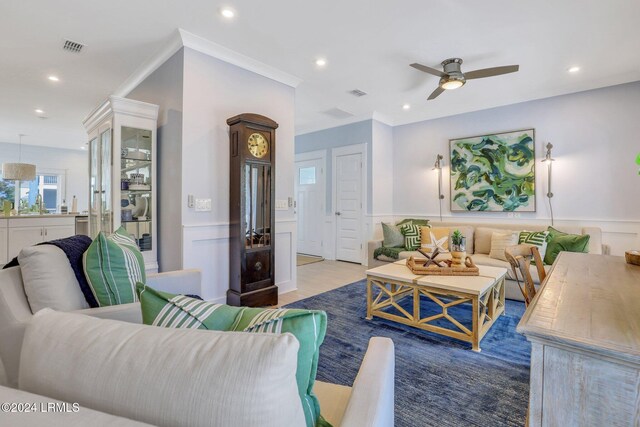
[494, 173]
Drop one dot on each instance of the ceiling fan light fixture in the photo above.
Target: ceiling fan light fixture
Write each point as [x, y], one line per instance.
[450, 84]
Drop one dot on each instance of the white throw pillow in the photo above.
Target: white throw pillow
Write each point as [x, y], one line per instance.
[49, 281]
[500, 241]
[163, 376]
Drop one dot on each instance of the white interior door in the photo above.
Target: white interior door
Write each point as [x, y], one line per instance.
[310, 205]
[348, 209]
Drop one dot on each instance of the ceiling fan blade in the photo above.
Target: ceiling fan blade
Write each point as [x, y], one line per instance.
[490, 72]
[429, 70]
[435, 93]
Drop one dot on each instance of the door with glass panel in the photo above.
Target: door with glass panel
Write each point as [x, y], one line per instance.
[100, 203]
[309, 188]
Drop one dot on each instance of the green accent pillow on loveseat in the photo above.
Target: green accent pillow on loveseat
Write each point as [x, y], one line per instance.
[308, 326]
[560, 241]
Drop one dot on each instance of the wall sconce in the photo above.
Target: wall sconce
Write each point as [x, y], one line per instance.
[549, 160]
[437, 166]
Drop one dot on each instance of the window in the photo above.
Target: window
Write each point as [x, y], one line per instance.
[307, 176]
[48, 185]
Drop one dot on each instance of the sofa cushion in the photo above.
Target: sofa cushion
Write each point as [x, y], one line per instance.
[429, 237]
[559, 241]
[309, 327]
[483, 238]
[483, 259]
[536, 238]
[113, 265]
[411, 235]
[45, 416]
[393, 238]
[499, 242]
[49, 280]
[161, 376]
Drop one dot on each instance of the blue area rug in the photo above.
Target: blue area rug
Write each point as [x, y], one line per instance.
[439, 380]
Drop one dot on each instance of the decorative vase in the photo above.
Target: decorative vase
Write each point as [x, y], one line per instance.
[459, 253]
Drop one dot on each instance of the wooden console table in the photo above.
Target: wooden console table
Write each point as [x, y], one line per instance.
[584, 328]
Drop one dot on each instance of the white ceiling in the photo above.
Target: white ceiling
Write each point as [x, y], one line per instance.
[368, 45]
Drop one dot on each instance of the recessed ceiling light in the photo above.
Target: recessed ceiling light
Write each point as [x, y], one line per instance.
[39, 111]
[406, 106]
[83, 148]
[228, 13]
[574, 69]
[321, 62]
[54, 78]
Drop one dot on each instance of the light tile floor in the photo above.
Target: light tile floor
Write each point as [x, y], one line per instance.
[319, 277]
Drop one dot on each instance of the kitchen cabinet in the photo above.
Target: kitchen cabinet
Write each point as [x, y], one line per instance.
[122, 172]
[3, 242]
[27, 231]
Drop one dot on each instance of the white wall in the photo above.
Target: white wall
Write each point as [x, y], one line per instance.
[164, 88]
[595, 180]
[213, 91]
[74, 164]
[382, 166]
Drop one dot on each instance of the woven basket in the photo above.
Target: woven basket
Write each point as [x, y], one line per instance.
[632, 257]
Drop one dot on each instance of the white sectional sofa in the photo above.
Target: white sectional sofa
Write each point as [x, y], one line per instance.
[39, 370]
[478, 239]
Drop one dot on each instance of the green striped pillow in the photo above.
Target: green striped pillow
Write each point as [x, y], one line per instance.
[308, 326]
[113, 265]
[411, 233]
[537, 238]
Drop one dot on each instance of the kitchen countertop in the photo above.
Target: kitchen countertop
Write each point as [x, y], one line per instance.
[42, 216]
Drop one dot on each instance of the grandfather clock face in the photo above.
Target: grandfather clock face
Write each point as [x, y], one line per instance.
[258, 145]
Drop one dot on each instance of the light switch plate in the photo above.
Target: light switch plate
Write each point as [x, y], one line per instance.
[203, 205]
[282, 205]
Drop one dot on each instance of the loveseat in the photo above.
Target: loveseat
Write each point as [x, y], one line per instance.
[369, 402]
[478, 241]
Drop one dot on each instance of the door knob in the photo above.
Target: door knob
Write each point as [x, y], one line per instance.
[338, 213]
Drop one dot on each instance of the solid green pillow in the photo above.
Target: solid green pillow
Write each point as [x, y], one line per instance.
[560, 241]
[308, 326]
[392, 236]
[411, 233]
[113, 265]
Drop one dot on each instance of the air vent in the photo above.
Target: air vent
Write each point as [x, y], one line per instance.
[72, 46]
[338, 113]
[357, 92]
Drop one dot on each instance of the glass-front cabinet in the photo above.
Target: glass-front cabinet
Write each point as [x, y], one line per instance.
[122, 172]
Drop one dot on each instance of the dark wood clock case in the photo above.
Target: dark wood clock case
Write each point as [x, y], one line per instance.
[252, 211]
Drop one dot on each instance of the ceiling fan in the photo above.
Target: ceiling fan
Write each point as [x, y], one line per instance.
[452, 78]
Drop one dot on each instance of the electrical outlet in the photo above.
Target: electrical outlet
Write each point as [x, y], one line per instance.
[203, 205]
[190, 203]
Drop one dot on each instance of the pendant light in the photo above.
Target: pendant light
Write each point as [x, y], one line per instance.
[19, 171]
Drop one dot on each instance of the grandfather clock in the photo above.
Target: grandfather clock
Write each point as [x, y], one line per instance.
[252, 139]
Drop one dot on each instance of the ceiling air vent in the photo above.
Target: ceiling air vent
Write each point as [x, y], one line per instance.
[338, 113]
[357, 92]
[72, 46]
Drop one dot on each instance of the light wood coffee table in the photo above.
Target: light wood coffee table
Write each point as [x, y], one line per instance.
[395, 282]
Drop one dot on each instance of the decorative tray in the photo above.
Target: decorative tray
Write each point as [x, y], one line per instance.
[632, 257]
[417, 266]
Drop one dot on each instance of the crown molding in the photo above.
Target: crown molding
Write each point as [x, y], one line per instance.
[150, 65]
[225, 54]
[331, 123]
[182, 38]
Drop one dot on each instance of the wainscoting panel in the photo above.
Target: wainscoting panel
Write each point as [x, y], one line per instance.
[206, 247]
